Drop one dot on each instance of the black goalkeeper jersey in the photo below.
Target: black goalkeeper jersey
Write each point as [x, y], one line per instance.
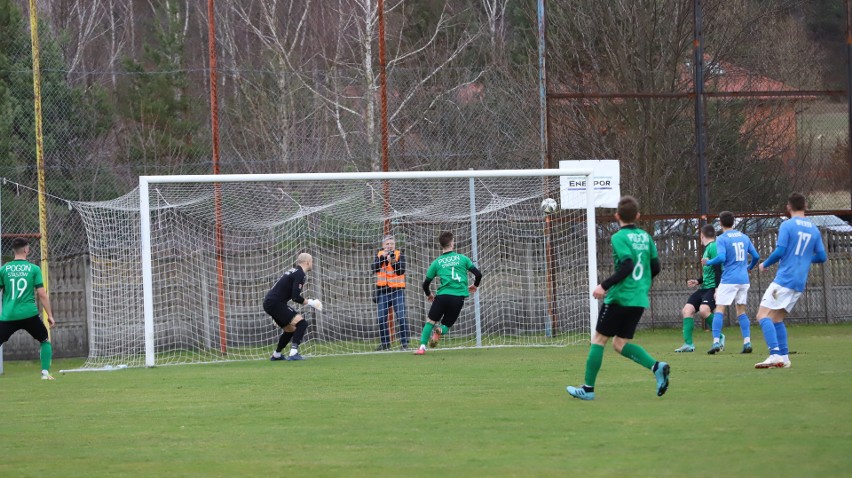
[288, 287]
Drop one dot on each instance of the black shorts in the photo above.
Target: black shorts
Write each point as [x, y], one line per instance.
[281, 313]
[446, 309]
[34, 326]
[618, 321]
[703, 296]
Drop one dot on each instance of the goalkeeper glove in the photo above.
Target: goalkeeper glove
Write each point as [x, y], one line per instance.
[315, 303]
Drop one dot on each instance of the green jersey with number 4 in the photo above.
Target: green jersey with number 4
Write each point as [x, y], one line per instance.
[630, 242]
[451, 268]
[19, 280]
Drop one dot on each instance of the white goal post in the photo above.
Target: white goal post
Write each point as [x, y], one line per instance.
[210, 246]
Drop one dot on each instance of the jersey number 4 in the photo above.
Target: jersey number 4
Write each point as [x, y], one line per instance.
[455, 276]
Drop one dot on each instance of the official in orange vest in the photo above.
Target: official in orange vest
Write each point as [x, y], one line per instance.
[389, 267]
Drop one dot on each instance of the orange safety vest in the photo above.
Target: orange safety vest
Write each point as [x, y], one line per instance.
[387, 277]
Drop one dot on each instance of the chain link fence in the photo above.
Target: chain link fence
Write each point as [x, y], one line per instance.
[126, 93]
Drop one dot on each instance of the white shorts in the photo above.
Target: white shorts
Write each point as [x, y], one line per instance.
[777, 298]
[727, 294]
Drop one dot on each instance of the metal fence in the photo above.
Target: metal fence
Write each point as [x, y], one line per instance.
[126, 91]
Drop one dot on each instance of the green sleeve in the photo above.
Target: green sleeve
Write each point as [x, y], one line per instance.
[431, 272]
[38, 279]
[653, 249]
[468, 263]
[621, 249]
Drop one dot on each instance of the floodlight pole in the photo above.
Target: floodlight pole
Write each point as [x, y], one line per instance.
[698, 85]
[849, 88]
[544, 147]
[39, 140]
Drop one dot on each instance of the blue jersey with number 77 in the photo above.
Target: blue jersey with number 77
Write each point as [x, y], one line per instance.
[732, 248]
[802, 241]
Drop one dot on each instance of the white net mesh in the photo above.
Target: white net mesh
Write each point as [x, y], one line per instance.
[534, 290]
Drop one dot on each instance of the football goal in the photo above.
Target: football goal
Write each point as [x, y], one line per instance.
[181, 265]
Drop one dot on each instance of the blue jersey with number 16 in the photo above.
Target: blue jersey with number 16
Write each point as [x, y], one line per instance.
[732, 247]
[802, 241]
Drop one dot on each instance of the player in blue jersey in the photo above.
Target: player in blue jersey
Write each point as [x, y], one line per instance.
[799, 245]
[732, 248]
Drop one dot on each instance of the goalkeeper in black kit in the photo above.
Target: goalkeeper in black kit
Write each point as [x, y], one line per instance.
[289, 287]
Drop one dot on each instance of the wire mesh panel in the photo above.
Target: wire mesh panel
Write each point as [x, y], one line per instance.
[535, 290]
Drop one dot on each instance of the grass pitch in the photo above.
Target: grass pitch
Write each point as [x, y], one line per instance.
[488, 412]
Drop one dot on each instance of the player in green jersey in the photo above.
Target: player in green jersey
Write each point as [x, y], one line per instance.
[21, 282]
[451, 269]
[702, 301]
[625, 296]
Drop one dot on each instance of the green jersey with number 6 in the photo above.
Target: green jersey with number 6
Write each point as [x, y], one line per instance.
[19, 280]
[452, 269]
[630, 242]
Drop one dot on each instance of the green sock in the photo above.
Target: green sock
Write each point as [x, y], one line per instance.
[444, 329]
[593, 364]
[637, 354]
[688, 326]
[708, 322]
[427, 331]
[46, 355]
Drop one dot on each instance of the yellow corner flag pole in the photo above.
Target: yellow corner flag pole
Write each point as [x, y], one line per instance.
[42, 209]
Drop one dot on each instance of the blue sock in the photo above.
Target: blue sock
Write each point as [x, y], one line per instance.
[769, 334]
[781, 333]
[717, 325]
[745, 327]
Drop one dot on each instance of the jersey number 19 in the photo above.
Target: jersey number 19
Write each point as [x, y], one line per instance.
[18, 287]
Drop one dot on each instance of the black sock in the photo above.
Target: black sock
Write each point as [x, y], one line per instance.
[299, 334]
[588, 388]
[283, 341]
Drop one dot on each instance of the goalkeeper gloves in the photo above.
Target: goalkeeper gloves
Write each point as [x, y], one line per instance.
[315, 303]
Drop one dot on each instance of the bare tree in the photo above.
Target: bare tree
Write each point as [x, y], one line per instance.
[645, 48]
[330, 49]
[495, 14]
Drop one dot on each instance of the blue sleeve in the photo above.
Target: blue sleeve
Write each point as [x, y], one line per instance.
[755, 257]
[776, 256]
[720, 253]
[819, 252]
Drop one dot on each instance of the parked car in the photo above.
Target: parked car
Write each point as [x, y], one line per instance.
[833, 223]
[837, 231]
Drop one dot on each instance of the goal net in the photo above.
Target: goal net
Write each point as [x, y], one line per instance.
[180, 266]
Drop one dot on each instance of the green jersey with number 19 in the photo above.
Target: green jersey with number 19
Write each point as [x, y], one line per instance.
[630, 242]
[19, 280]
[451, 268]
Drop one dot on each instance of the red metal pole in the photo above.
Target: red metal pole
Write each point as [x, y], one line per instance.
[383, 98]
[217, 187]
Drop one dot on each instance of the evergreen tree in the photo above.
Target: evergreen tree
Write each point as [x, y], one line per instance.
[71, 115]
[156, 103]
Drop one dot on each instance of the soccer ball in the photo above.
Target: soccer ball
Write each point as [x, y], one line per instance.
[549, 206]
